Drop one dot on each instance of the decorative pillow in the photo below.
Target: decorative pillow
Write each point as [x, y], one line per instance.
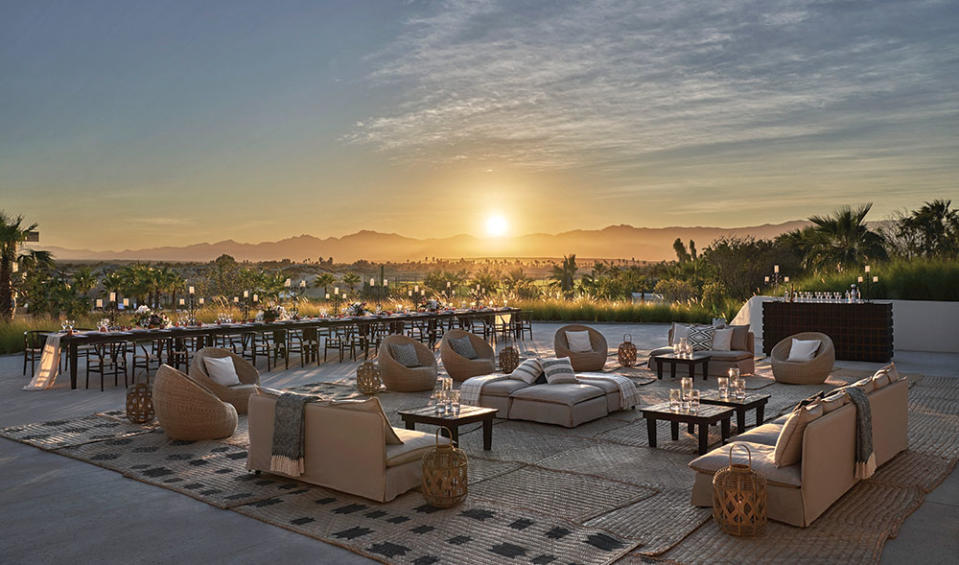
[810, 400]
[679, 331]
[740, 338]
[371, 404]
[719, 323]
[803, 350]
[579, 342]
[527, 371]
[558, 370]
[834, 401]
[405, 354]
[789, 444]
[701, 337]
[221, 370]
[880, 379]
[463, 347]
[722, 339]
[866, 385]
[891, 372]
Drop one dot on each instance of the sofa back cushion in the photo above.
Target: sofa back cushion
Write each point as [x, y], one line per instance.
[723, 339]
[701, 337]
[740, 340]
[789, 445]
[527, 371]
[558, 370]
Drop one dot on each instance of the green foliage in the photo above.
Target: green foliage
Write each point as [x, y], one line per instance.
[675, 290]
[564, 276]
[917, 279]
[586, 310]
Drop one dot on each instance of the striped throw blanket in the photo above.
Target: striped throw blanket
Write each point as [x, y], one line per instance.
[289, 429]
[472, 388]
[628, 395]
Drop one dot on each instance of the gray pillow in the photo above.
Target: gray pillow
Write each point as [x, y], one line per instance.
[464, 347]
[558, 371]
[405, 354]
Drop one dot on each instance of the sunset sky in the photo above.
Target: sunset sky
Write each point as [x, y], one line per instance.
[137, 124]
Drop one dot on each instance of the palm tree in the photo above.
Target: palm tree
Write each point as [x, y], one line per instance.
[485, 283]
[843, 239]
[324, 281]
[518, 284]
[564, 276]
[351, 279]
[12, 234]
[932, 230]
[36, 269]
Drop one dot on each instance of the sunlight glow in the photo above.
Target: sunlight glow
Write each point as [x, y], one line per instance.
[496, 225]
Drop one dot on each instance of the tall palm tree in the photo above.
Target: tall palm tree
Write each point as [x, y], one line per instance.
[351, 279]
[563, 276]
[932, 230]
[324, 281]
[843, 239]
[12, 234]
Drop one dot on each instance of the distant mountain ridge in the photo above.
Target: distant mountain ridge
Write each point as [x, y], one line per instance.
[612, 242]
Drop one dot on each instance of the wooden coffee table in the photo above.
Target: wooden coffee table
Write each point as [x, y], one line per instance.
[467, 415]
[690, 362]
[752, 401]
[706, 415]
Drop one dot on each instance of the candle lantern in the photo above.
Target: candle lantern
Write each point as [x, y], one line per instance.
[739, 497]
[627, 352]
[445, 481]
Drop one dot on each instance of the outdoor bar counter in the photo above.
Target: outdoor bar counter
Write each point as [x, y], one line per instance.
[860, 331]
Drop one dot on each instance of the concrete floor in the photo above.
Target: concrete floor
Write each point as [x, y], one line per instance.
[87, 514]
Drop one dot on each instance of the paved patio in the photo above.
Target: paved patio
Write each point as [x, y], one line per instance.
[84, 513]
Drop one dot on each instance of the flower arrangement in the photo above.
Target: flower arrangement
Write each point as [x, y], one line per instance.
[273, 313]
[433, 305]
[147, 318]
[357, 309]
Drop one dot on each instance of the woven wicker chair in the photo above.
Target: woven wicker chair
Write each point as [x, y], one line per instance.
[188, 411]
[400, 378]
[461, 368]
[238, 395]
[810, 372]
[590, 361]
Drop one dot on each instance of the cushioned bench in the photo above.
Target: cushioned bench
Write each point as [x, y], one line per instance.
[565, 404]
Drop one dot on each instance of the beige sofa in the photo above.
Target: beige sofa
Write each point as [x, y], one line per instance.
[741, 355]
[800, 493]
[564, 404]
[460, 368]
[345, 449]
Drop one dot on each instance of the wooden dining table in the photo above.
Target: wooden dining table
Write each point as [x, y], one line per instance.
[206, 334]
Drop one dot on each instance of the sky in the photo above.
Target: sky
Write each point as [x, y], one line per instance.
[138, 124]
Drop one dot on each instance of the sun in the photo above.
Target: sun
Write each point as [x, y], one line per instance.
[496, 225]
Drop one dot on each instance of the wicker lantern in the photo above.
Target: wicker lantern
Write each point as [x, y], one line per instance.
[508, 359]
[627, 352]
[368, 378]
[739, 497]
[444, 475]
[140, 403]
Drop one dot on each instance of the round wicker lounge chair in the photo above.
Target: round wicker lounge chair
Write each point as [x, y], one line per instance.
[188, 411]
[590, 361]
[238, 395]
[810, 372]
[400, 378]
[461, 368]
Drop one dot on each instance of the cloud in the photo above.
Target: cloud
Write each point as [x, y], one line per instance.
[609, 83]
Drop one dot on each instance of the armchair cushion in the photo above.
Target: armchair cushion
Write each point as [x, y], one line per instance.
[803, 350]
[722, 339]
[579, 342]
[463, 346]
[222, 370]
[405, 354]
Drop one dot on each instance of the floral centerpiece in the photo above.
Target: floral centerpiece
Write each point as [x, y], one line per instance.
[147, 318]
[273, 313]
[433, 305]
[357, 309]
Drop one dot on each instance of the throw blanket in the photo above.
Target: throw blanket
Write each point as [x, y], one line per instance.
[628, 395]
[472, 387]
[288, 432]
[865, 458]
[49, 367]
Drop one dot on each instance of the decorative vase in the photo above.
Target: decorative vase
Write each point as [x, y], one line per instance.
[445, 481]
[508, 359]
[140, 403]
[627, 352]
[368, 378]
[739, 497]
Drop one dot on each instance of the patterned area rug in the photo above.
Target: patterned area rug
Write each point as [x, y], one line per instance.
[544, 494]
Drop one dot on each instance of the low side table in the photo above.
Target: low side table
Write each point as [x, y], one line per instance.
[704, 417]
[690, 362]
[467, 415]
[752, 401]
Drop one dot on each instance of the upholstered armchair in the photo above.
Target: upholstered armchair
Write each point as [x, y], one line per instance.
[237, 395]
[593, 360]
[461, 368]
[809, 372]
[400, 378]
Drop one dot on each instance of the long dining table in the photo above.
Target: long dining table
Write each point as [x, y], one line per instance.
[206, 334]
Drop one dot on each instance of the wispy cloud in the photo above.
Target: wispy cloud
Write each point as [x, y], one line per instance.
[609, 83]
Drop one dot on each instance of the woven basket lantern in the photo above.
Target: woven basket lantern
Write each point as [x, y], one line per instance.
[508, 359]
[444, 475]
[627, 352]
[140, 403]
[739, 497]
[368, 378]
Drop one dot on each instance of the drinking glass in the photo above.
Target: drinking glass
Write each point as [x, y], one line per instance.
[723, 383]
[454, 396]
[675, 399]
[739, 388]
[683, 344]
[686, 385]
[694, 400]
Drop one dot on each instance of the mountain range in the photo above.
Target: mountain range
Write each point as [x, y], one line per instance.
[612, 242]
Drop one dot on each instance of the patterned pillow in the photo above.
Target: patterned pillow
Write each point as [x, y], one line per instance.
[463, 346]
[405, 354]
[701, 337]
[558, 370]
[527, 371]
